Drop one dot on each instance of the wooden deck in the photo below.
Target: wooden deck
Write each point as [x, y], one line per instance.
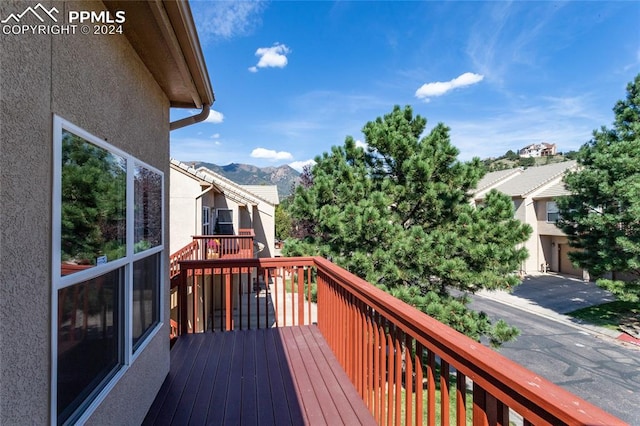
[276, 376]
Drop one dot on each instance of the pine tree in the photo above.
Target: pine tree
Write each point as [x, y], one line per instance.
[398, 214]
[602, 216]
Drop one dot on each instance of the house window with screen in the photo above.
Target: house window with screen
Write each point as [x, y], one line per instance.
[107, 265]
[553, 213]
[224, 222]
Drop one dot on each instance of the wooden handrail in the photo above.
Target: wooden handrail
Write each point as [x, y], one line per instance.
[226, 246]
[390, 350]
[187, 252]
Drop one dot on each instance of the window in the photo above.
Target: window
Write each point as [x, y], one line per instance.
[206, 227]
[224, 222]
[553, 213]
[107, 266]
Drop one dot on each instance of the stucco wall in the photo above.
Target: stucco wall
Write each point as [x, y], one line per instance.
[186, 209]
[546, 228]
[99, 84]
[265, 225]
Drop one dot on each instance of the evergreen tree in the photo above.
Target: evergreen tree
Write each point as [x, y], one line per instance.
[602, 216]
[399, 216]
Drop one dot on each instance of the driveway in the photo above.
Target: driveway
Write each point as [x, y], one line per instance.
[561, 293]
[554, 295]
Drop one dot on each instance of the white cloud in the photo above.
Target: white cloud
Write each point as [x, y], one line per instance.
[227, 19]
[299, 165]
[271, 154]
[214, 117]
[271, 57]
[565, 121]
[439, 88]
[361, 144]
[215, 136]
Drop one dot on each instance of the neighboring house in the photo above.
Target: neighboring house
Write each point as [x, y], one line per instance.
[84, 130]
[533, 191]
[538, 150]
[206, 203]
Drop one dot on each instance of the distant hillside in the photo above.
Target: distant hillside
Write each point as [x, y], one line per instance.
[511, 160]
[245, 174]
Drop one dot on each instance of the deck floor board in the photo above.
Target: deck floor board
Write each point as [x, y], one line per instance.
[276, 376]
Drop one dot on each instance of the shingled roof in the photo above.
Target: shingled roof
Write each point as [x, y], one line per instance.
[240, 193]
[522, 182]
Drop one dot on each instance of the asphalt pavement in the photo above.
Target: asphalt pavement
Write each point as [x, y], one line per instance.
[553, 296]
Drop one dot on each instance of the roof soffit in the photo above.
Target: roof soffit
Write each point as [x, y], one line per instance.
[163, 35]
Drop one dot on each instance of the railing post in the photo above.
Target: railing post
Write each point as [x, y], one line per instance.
[228, 300]
[182, 302]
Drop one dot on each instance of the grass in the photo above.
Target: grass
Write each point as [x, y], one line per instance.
[452, 404]
[608, 315]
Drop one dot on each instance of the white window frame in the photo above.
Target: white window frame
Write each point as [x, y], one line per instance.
[59, 281]
[553, 210]
[219, 222]
[206, 220]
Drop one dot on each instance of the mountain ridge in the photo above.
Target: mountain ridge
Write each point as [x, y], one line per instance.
[284, 177]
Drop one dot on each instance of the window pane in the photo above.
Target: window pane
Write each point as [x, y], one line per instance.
[206, 229]
[89, 346]
[225, 216]
[148, 208]
[146, 288]
[93, 210]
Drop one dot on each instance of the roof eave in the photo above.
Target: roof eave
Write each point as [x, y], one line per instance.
[163, 34]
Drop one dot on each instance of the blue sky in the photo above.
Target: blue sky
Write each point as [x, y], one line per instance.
[293, 78]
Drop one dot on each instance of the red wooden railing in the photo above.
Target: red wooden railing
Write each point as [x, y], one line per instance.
[399, 359]
[226, 246]
[188, 252]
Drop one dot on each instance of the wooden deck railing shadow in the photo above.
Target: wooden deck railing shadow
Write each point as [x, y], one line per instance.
[402, 362]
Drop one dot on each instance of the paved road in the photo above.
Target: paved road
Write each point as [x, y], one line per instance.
[599, 369]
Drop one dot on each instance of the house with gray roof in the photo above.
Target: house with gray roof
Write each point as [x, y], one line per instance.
[203, 202]
[533, 191]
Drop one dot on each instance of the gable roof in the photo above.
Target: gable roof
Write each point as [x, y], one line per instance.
[555, 190]
[266, 192]
[226, 186]
[525, 181]
[493, 178]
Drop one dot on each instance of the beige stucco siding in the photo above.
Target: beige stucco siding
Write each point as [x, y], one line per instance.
[99, 84]
[25, 228]
[186, 208]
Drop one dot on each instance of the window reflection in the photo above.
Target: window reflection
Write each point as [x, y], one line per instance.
[89, 349]
[146, 279]
[93, 210]
[148, 208]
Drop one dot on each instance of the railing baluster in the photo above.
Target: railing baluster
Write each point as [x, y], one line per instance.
[390, 377]
[408, 379]
[267, 276]
[444, 392]
[461, 399]
[300, 296]
[397, 337]
[419, 378]
[383, 377]
[431, 388]
[479, 406]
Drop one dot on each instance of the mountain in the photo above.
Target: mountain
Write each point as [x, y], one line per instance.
[284, 177]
